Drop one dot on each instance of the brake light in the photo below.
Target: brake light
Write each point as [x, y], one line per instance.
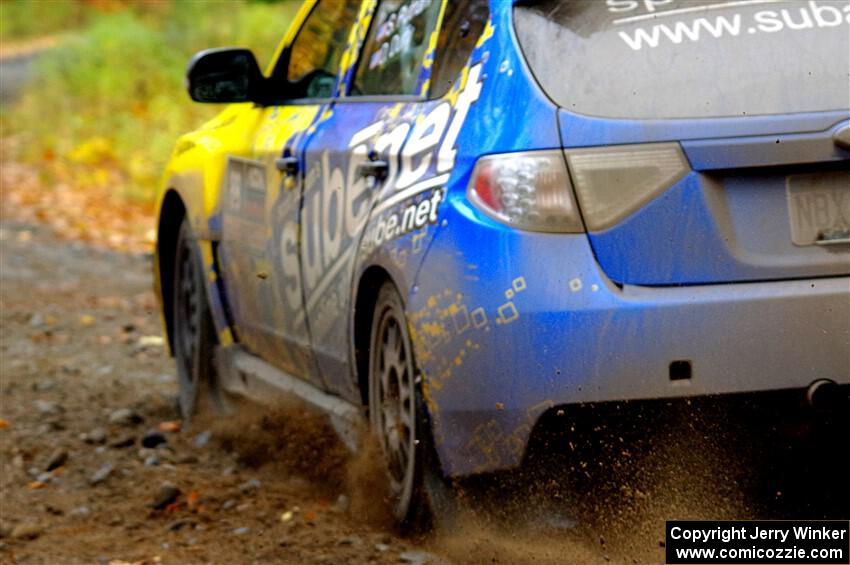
[613, 182]
[529, 190]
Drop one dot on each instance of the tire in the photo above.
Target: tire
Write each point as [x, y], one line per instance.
[398, 418]
[194, 337]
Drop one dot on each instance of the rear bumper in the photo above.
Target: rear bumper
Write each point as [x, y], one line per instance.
[509, 324]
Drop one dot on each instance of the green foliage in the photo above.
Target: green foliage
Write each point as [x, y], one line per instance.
[21, 19]
[113, 95]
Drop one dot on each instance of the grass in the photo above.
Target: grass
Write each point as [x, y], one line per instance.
[107, 104]
[24, 19]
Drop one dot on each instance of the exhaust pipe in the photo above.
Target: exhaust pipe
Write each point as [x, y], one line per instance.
[824, 395]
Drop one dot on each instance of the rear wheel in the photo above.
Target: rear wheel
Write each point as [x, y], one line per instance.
[399, 419]
[194, 337]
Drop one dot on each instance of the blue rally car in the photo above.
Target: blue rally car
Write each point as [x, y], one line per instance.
[456, 217]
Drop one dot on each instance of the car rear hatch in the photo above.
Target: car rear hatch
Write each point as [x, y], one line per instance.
[707, 141]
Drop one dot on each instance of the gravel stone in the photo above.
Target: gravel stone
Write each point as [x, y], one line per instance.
[343, 503]
[27, 530]
[101, 474]
[123, 442]
[203, 438]
[51, 426]
[125, 417]
[166, 495]
[56, 460]
[250, 486]
[153, 438]
[96, 436]
[47, 407]
[45, 385]
[419, 557]
[80, 512]
[180, 524]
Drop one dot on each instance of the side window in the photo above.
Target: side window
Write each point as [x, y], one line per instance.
[395, 47]
[463, 23]
[315, 54]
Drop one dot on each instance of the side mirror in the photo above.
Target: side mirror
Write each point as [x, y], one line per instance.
[224, 75]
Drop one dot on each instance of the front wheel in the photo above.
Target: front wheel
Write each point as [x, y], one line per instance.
[398, 416]
[194, 337]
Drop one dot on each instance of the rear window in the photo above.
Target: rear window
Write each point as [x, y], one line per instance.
[648, 59]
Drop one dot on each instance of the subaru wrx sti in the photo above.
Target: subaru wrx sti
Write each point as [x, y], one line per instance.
[457, 217]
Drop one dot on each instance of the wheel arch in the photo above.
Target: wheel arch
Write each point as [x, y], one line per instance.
[368, 288]
[430, 493]
[171, 215]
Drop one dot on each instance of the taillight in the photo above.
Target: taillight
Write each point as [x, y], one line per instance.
[529, 190]
[614, 182]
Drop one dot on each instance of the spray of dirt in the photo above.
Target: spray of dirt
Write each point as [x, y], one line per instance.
[604, 499]
[615, 510]
[288, 436]
[297, 440]
[366, 483]
[474, 539]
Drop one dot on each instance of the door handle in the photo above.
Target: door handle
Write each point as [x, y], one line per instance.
[288, 165]
[376, 168]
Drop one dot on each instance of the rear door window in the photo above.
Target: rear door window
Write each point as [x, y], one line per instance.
[688, 58]
[463, 22]
[392, 56]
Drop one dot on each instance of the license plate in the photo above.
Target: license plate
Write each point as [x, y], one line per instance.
[819, 208]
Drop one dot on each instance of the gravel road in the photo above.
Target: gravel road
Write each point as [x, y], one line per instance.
[96, 468]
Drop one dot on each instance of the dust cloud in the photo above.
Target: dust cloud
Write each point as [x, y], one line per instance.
[293, 439]
[594, 488]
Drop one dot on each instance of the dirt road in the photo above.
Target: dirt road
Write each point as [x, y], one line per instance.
[96, 467]
[16, 62]
[86, 384]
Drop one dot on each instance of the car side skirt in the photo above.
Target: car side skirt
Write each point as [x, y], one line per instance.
[247, 376]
